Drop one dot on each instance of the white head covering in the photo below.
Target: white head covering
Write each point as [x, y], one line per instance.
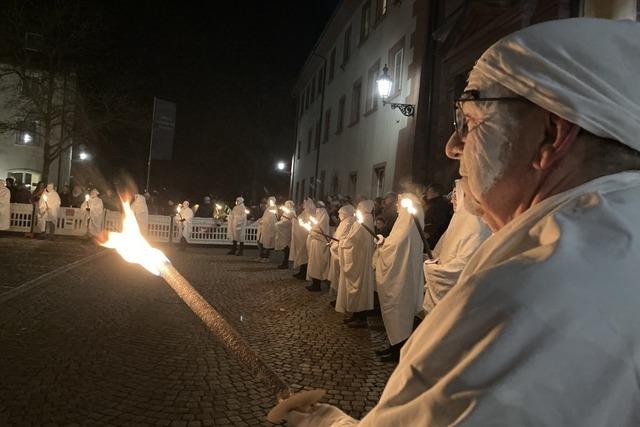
[50, 186]
[239, 200]
[290, 205]
[347, 211]
[582, 69]
[2, 183]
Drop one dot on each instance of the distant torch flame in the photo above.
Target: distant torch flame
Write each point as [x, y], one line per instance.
[86, 198]
[272, 203]
[44, 197]
[408, 205]
[178, 208]
[285, 209]
[313, 220]
[132, 246]
[359, 217]
[247, 211]
[306, 225]
[218, 206]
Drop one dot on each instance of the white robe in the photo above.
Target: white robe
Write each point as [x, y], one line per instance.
[347, 219]
[357, 281]
[236, 223]
[48, 211]
[317, 246]
[541, 329]
[298, 253]
[5, 208]
[283, 227]
[399, 275]
[184, 227]
[268, 225]
[94, 216]
[141, 211]
[465, 234]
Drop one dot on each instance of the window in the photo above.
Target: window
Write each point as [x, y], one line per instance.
[320, 80]
[304, 195]
[320, 194]
[346, 47]
[309, 137]
[365, 21]
[355, 102]
[312, 90]
[621, 9]
[297, 193]
[298, 149]
[301, 106]
[311, 181]
[335, 184]
[26, 134]
[30, 87]
[306, 98]
[372, 87]
[318, 132]
[396, 60]
[25, 178]
[341, 105]
[353, 183]
[378, 180]
[381, 9]
[327, 125]
[332, 64]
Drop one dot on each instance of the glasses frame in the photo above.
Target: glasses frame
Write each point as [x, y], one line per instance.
[460, 120]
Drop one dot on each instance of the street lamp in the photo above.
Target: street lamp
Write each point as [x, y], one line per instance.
[385, 84]
[281, 165]
[84, 156]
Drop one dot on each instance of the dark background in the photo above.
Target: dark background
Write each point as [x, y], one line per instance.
[230, 67]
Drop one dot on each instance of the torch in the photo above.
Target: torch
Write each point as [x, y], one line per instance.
[178, 212]
[315, 221]
[88, 209]
[408, 205]
[360, 219]
[288, 211]
[135, 249]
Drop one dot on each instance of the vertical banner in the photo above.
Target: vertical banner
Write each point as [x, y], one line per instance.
[164, 125]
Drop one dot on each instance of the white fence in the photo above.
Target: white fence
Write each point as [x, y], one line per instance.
[73, 222]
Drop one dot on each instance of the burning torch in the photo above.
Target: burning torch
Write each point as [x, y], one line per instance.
[360, 218]
[408, 205]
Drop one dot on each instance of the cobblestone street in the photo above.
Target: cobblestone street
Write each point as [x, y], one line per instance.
[107, 343]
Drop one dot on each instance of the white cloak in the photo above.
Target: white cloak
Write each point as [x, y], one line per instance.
[347, 218]
[357, 282]
[48, 211]
[399, 275]
[268, 224]
[298, 253]
[141, 211]
[283, 227]
[236, 223]
[184, 227]
[541, 329]
[5, 208]
[94, 216]
[465, 234]
[317, 246]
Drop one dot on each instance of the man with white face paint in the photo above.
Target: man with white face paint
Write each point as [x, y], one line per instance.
[236, 223]
[346, 215]
[317, 248]
[465, 234]
[299, 254]
[5, 206]
[268, 229]
[48, 210]
[94, 211]
[542, 326]
[283, 233]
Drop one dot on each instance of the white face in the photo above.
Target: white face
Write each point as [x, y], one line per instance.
[49, 187]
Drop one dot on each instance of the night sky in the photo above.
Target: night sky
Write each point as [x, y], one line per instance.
[230, 67]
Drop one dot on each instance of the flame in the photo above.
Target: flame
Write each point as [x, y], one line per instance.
[247, 211]
[132, 246]
[218, 206]
[44, 197]
[359, 217]
[178, 208]
[273, 211]
[285, 209]
[272, 203]
[306, 225]
[313, 220]
[408, 205]
[86, 197]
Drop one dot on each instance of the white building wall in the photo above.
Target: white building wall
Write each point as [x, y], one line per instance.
[373, 140]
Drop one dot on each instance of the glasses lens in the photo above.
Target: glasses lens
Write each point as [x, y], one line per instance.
[460, 122]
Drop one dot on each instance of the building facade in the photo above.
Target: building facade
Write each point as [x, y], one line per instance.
[347, 141]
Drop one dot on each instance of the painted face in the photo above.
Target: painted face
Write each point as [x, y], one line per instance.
[49, 187]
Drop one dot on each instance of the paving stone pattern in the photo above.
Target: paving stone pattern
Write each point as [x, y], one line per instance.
[109, 344]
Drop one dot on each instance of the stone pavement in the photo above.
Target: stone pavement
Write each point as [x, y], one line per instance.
[109, 344]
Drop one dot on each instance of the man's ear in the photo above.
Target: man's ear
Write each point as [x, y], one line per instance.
[560, 136]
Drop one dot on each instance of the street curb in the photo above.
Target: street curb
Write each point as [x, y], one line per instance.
[30, 284]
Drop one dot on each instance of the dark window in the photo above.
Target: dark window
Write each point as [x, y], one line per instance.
[27, 133]
[318, 132]
[341, 106]
[381, 9]
[327, 125]
[356, 94]
[298, 149]
[309, 137]
[396, 67]
[365, 21]
[353, 183]
[297, 193]
[332, 64]
[320, 80]
[304, 195]
[312, 90]
[372, 87]
[346, 46]
[378, 180]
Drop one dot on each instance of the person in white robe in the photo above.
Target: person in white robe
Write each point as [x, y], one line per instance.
[268, 229]
[5, 206]
[236, 223]
[299, 234]
[183, 218]
[357, 281]
[346, 214]
[399, 277]
[463, 237]
[283, 233]
[317, 248]
[94, 213]
[48, 210]
[542, 327]
[141, 211]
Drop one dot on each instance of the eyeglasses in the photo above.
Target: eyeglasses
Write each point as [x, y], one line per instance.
[460, 120]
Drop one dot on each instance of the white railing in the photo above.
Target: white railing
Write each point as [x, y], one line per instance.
[161, 228]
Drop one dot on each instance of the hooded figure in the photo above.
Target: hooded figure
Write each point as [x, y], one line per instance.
[346, 214]
[283, 233]
[5, 206]
[399, 276]
[237, 221]
[465, 234]
[139, 208]
[317, 248]
[48, 208]
[183, 219]
[268, 228]
[357, 282]
[94, 210]
[299, 254]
